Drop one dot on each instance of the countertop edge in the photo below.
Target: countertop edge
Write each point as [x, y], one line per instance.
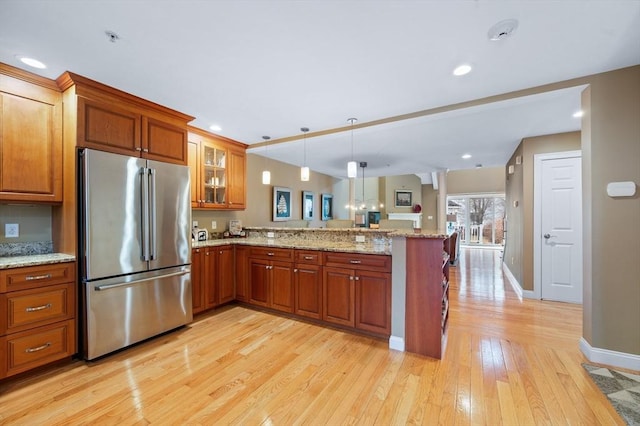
[35, 260]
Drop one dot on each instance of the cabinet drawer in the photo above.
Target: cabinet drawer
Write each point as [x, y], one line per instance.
[371, 262]
[36, 276]
[38, 347]
[308, 256]
[271, 253]
[36, 307]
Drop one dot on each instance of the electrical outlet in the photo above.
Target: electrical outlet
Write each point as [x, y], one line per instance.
[11, 230]
[429, 217]
[214, 224]
[271, 235]
[359, 238]
[195, 223]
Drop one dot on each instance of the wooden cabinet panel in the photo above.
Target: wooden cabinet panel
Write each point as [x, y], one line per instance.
[197, 290]
[373, 302]
[36, 276]
[209, 281]
[259, 290]
[34, 307]
[271, 253]
[194, 173]
[236, 183]
[30, 349]
[242, 273]
[282, 289]
[225, 278]
[313, 257]
[165, 142]
[371, 262]
[338, 294]
[308, 290]
[108, 127]
[31, 146]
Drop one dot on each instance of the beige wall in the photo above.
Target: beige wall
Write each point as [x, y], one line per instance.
[429, 208]
[485, 180]
[405, 183]
[259, 197]
[611, 153]
[34, 221]
[519, 251]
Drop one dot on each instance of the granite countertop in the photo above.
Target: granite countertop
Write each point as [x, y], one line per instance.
[34, 260]
[365, 248]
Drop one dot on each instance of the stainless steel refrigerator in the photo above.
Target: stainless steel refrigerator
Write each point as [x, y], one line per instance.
[135, 253]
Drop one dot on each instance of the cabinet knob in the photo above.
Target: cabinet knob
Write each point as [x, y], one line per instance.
[350, 278]
[357, 278]
[138, 149]
[145, 150]
[295, 270]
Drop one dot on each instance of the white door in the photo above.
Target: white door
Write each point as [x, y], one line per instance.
[561, 229]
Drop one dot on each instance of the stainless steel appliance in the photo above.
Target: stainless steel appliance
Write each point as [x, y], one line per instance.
[135, 241]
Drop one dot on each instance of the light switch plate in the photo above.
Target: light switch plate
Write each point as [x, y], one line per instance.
[359, 238]
[11, 230]
[214, 224]
[270, 235]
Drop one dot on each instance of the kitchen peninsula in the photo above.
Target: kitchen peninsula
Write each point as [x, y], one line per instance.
[387, 283]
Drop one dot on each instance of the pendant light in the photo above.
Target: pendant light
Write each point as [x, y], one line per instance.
[304, 170]
[266, 174]
[352, 166]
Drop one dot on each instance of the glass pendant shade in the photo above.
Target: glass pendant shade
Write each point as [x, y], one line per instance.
[352, 169]
[266, 177]
[304, 174]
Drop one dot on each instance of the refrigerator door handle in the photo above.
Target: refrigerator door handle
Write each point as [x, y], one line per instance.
[145, 213]
[130, 283]
[152, 209]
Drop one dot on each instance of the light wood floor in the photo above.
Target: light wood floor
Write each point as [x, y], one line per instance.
[506, 362]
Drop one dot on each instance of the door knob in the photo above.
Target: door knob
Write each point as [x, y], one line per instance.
[547, 236]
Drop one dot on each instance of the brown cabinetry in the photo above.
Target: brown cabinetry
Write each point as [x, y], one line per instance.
[37, 324]
[218, 171]
[357, 291]
[30, 138]
[427, 296]
[271, 278]
[242, 273]
[308, 284]
[212, 280]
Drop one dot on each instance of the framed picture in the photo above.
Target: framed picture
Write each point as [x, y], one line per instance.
[403, 198]
[326, 200]
[281, 203]
[307, 205]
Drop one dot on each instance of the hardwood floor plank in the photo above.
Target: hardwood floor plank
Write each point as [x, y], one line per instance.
[506, 362]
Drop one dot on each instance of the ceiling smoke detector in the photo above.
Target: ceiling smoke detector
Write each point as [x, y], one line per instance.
[503, 29]
[112, 36]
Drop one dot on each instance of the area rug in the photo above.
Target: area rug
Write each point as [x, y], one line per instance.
[622, 389]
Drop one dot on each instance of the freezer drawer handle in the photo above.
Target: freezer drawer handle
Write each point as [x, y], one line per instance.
[38, 348]
[127, 284]
[38, 277]
[38, 308]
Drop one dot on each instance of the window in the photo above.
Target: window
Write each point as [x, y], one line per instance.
[479, 219]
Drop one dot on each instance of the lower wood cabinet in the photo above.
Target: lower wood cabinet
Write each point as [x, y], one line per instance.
[242, 273]
[212, 277]
[373, 302]
[271, 284]
[37, 316]
[308, 290]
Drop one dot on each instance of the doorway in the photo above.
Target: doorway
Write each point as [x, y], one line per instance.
[557, 227]
[478, 218]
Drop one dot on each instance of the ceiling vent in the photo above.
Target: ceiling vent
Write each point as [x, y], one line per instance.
[503, 29]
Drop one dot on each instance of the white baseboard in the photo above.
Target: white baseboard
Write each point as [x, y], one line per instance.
[396, 343]
[613, 358]
[512, 280]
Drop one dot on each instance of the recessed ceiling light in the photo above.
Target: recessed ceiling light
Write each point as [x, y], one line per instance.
[32, 62]
[578, 114]
[466, 156]
[215, 127]
[462, 70]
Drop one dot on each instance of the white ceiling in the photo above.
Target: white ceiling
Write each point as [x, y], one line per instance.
[262, 67]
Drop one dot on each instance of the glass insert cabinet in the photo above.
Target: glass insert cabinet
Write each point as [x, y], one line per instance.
[215, 175]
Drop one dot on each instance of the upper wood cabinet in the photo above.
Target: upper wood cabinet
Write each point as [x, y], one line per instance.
[111, 120]
[30, 138]
[218, 171]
